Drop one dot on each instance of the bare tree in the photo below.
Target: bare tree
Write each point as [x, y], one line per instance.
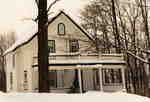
[42, 19]
[144, 9]
[96, 20]
[6, 40]
[115, 27]
[127, 28]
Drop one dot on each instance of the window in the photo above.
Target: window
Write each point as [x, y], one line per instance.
[61, 29]
[11, 80]
[74, 45]
[112, 76]
[96, 77]
[53, 78]
[60, 78]
[25, 85]
[13, 60]
[51, 46]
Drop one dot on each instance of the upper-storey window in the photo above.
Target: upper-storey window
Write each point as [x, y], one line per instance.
[51, 46]
[74, 45]
[61, 29]
[13, 60]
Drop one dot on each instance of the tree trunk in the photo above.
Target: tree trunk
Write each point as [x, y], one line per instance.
[115, 28]
[43, 46]
[2, 72]
[3, 79]
[144, 10]
[143, 4]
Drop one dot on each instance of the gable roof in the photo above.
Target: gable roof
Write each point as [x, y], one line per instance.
[31, 35]
[77, 25]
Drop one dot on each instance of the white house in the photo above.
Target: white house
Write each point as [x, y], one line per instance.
[70, 58]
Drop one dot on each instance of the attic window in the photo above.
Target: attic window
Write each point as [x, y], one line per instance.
[61, 29]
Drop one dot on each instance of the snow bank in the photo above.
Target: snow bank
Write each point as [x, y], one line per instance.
[87, 97]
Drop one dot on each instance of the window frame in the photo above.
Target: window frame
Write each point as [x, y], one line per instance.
[25, 85]
[71, 45]
[109, 83]
[11, 80]
[13, 60]
[53, 78]
[54, 46]
[59, 32]
[96, 76]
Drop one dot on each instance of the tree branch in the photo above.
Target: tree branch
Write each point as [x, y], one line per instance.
[50, 6]
[37, 2]
[137, 57]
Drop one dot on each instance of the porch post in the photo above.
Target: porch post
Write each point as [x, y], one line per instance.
[123, 77]
[80, 80]
[100, 79]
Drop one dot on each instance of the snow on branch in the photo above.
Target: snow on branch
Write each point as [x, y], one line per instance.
[146, 51]
[137, 57]
[37, 2]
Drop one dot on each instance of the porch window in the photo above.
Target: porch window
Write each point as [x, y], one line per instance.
[53, 78]
[74, 45]
[96, 77]
[112, 76]
[61, 79]
[51, 46]
[61, 29]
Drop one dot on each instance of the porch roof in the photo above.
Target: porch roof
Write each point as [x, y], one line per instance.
[96, 65]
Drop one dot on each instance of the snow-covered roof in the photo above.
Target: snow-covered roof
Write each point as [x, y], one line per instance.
[86, 97]
[29, 32]
[23, 37]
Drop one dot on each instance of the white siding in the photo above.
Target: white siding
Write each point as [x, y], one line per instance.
[62, 42]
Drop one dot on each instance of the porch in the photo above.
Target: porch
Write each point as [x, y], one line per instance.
[82, 73]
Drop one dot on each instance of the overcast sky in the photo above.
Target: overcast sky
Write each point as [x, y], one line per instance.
[13, 11]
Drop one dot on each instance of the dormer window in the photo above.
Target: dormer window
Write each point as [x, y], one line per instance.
[61, 29]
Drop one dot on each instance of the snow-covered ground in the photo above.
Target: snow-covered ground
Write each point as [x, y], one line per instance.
[87, 97]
